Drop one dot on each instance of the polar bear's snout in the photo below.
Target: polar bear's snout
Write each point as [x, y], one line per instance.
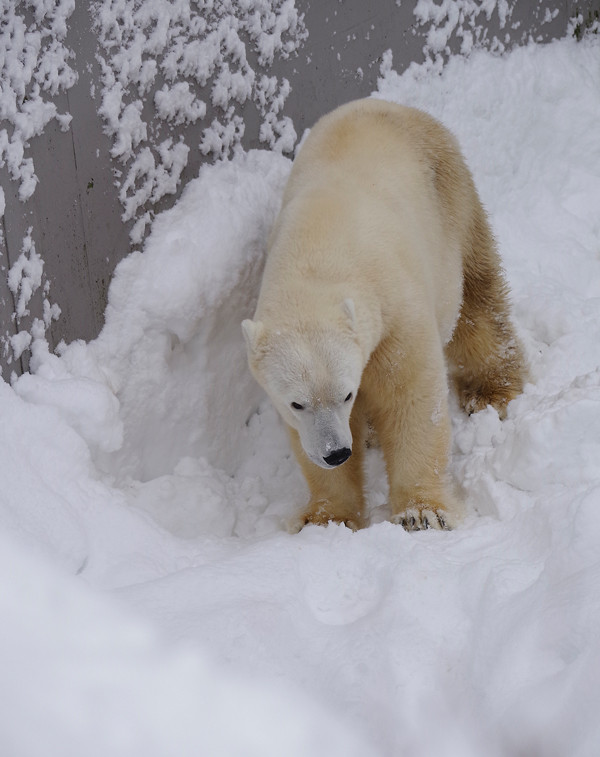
[338, 456]
[325, 435]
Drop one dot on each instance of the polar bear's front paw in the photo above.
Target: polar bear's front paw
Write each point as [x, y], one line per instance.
[321, 514]
[422, 518]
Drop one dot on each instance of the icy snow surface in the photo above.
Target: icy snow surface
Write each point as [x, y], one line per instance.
[148, 464]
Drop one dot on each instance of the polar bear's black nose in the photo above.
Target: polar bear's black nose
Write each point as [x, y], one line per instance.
[338, 456]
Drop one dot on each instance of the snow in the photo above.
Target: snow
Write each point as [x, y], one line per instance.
[24, 279]
[118, 689]
[25, 275]
[153, 602]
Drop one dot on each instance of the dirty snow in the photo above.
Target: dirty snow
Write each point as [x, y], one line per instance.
[152, 601]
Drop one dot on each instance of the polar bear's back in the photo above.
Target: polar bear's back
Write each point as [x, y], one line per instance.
[380, 145]
[378, 193]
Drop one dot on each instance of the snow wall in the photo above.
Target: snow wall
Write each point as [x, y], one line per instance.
[109, 108]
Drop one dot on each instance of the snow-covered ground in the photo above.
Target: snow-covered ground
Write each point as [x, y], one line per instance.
[152, 602]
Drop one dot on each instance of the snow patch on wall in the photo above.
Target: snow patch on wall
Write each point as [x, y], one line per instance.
[468, 21]
[34, 68]
[164, 62]
[25, 278]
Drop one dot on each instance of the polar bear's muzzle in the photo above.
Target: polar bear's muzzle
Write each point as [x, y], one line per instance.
[326, 437]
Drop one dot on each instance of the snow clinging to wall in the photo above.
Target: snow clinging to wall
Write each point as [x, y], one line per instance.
[158, 56]
[35, 66]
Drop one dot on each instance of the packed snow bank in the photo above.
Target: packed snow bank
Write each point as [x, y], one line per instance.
[149, 463]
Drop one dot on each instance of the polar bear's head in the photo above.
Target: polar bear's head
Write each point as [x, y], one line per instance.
[312, 373]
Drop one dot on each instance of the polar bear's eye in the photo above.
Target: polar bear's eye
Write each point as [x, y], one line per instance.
[297, 406]
[349, 397]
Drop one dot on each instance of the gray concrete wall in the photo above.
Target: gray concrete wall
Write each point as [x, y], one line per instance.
[78, 220]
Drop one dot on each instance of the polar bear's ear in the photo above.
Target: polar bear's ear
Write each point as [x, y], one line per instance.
[349, 312]
[253, 330]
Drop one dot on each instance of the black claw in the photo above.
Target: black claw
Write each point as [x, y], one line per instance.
[412, 522]
[425, 522]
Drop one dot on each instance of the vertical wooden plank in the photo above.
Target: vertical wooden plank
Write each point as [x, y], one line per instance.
[51, 221]
[7, 302]
[105, 235]
[59, 233]
[18, 218]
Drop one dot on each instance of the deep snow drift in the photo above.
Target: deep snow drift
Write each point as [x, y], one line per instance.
[149, 464]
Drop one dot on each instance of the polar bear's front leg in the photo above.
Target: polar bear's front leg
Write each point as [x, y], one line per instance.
[335, 495]
[410, 415]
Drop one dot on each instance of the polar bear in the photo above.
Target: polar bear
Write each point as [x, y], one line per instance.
[381, 281]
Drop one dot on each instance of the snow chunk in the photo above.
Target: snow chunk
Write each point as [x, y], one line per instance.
[178, 104]
[24, 279]
[25, 275]
[87, 406]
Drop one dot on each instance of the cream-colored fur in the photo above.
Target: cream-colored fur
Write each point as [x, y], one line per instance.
[381, 274]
